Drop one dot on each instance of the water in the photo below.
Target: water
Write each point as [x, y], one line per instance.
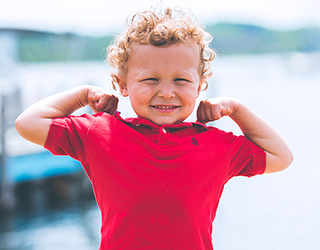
[70, 228]
[276, 211]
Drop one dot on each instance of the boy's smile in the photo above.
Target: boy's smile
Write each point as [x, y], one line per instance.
[163, 82]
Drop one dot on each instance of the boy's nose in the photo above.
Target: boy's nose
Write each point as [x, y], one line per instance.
[166, 90]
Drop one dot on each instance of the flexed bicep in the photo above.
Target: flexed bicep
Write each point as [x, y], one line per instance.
[34, 123]
[33, 127]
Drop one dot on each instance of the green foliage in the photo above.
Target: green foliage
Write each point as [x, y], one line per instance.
[40, 46]
[228, 39]
[243, 38]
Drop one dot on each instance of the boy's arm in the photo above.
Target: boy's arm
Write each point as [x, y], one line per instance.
[34, 123]
[278, 155]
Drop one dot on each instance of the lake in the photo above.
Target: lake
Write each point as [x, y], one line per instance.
[274, 211]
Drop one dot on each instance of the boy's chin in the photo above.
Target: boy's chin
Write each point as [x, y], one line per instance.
[161, 122]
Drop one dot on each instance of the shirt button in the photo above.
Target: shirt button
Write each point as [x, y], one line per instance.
[164, 130]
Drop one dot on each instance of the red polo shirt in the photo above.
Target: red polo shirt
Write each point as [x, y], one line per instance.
[158, 187]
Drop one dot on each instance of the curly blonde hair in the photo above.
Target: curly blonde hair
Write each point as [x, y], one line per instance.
[163, 29]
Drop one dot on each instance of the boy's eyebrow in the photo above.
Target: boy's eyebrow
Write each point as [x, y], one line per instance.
[178, 75]
[144, 72]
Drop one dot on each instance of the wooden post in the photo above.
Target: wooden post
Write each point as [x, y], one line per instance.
[9, 57]
[7, 200]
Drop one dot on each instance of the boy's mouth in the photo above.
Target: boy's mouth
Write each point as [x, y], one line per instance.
[165, 108]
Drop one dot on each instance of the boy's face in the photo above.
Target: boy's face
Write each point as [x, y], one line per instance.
[163, 82]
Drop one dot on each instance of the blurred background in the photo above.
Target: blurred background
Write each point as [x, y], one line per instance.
[268, 55]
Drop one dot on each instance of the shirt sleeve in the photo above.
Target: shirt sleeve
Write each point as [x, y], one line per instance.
[245, 157]
[67, 136]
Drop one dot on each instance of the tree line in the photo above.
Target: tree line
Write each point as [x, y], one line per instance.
[228, 39]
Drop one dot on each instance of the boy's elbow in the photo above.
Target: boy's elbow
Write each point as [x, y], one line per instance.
[290, 159]
[275, 164]
[19, 125]
[22, 126]
[286, 162]
[33, 130]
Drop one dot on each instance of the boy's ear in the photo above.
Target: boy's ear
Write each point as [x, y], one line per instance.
[200, 85]
[122, 86]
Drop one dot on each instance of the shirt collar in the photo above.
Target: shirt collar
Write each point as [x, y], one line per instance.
[153, 126]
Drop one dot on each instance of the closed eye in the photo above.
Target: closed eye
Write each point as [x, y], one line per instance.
[181, 80]
[149, 79]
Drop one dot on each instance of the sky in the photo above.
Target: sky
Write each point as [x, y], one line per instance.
[98, 17]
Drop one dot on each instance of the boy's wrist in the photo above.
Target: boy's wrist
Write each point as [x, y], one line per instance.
[82, 93]
[237, 108]
[71, 100]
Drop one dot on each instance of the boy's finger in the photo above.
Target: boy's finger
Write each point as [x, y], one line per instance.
[216, 113]
[111, 105]
[114, 105]
[200, 113]
[103, 101]
[208, 113]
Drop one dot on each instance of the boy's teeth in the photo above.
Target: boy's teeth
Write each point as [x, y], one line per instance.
[164, 107]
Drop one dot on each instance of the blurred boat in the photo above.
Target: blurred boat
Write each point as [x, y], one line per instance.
[304, 62]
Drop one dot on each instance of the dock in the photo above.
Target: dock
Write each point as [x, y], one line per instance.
[29, 172]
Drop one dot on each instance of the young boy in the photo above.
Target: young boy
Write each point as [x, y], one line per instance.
[157, 180]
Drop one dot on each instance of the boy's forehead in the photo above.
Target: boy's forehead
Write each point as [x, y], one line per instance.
[182, 58]
[146, 51]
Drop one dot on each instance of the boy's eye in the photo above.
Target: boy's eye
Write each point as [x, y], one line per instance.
[181, 80]
[149, 79]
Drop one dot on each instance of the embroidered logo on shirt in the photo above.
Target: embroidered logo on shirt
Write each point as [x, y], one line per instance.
[194, 141]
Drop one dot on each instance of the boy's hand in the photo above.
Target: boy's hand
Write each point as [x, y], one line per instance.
[215, 108]
[100, 101]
